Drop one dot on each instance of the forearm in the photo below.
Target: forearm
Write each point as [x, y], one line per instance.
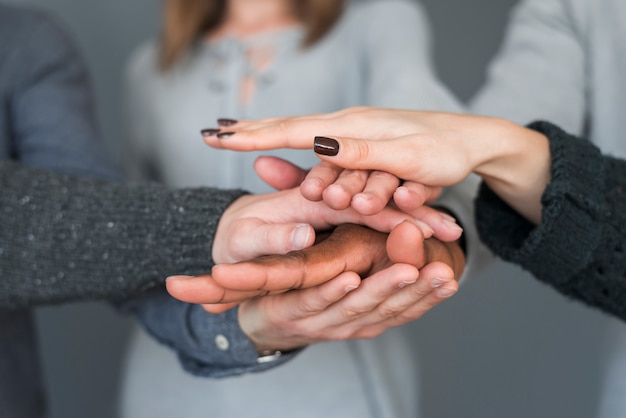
[578, 246]
[66, 238]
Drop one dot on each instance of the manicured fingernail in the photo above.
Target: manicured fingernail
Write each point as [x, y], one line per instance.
[445, 292]
[438, 281]
[325, 146]
[350, 288]
[176, 278]
[225, 135]
[300, 237]
[406, 283]
[226, 122]
[452, 225]
[209, 132]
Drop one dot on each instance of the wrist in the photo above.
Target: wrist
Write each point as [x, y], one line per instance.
[520, 169]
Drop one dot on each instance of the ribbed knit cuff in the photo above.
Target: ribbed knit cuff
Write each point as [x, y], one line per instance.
[562, 244]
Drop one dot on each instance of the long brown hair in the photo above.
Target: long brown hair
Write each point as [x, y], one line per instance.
[185, 21]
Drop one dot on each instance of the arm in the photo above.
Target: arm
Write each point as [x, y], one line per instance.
[578, 247]
[67, 238]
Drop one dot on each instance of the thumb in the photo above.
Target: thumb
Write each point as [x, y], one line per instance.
[256, 238]
[405, 244]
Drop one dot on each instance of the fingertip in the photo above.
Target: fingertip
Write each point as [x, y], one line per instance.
[336, 197]
[439, 270]
[447, 230]
[405, 244]
[325, 146]
[406, 200]
[341, 285]
[367, 204]
[212, 141]
[303, 236]
[174, 284]
[448, 290]
[312, 189]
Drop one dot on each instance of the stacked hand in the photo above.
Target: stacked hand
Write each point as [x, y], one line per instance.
[332, 301]
[304, 294]
[428, 148]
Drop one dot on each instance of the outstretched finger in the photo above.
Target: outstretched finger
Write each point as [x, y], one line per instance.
[438, 277]
[308, 267]
[255, 238]
[203, 290]
[312, 301]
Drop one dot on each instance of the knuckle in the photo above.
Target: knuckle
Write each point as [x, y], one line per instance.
[350, 312]
[389, 311]
[361, 151]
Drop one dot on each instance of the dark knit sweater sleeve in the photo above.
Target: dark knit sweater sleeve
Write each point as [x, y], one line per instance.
[579, 246]
[65, 238]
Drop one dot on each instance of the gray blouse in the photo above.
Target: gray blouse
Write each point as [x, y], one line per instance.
[378, 54]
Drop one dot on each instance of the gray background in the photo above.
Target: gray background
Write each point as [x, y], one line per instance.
[505, 346]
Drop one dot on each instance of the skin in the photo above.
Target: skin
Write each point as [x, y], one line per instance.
[429, 148]
[339, 305]
[276, 223]
[403, 274]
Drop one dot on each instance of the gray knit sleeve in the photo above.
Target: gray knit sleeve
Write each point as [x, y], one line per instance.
[65, 238]
[579, 246]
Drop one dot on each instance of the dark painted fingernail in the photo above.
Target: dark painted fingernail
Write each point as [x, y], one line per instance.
[209, 132]
[325, 146]
[225, 135]
[226, 122]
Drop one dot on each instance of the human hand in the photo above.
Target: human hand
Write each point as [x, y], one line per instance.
[345, 306]
[367, 192]
[348, 247]
[376, 190]
[277, 223]
[430, 148]
[407, 144]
